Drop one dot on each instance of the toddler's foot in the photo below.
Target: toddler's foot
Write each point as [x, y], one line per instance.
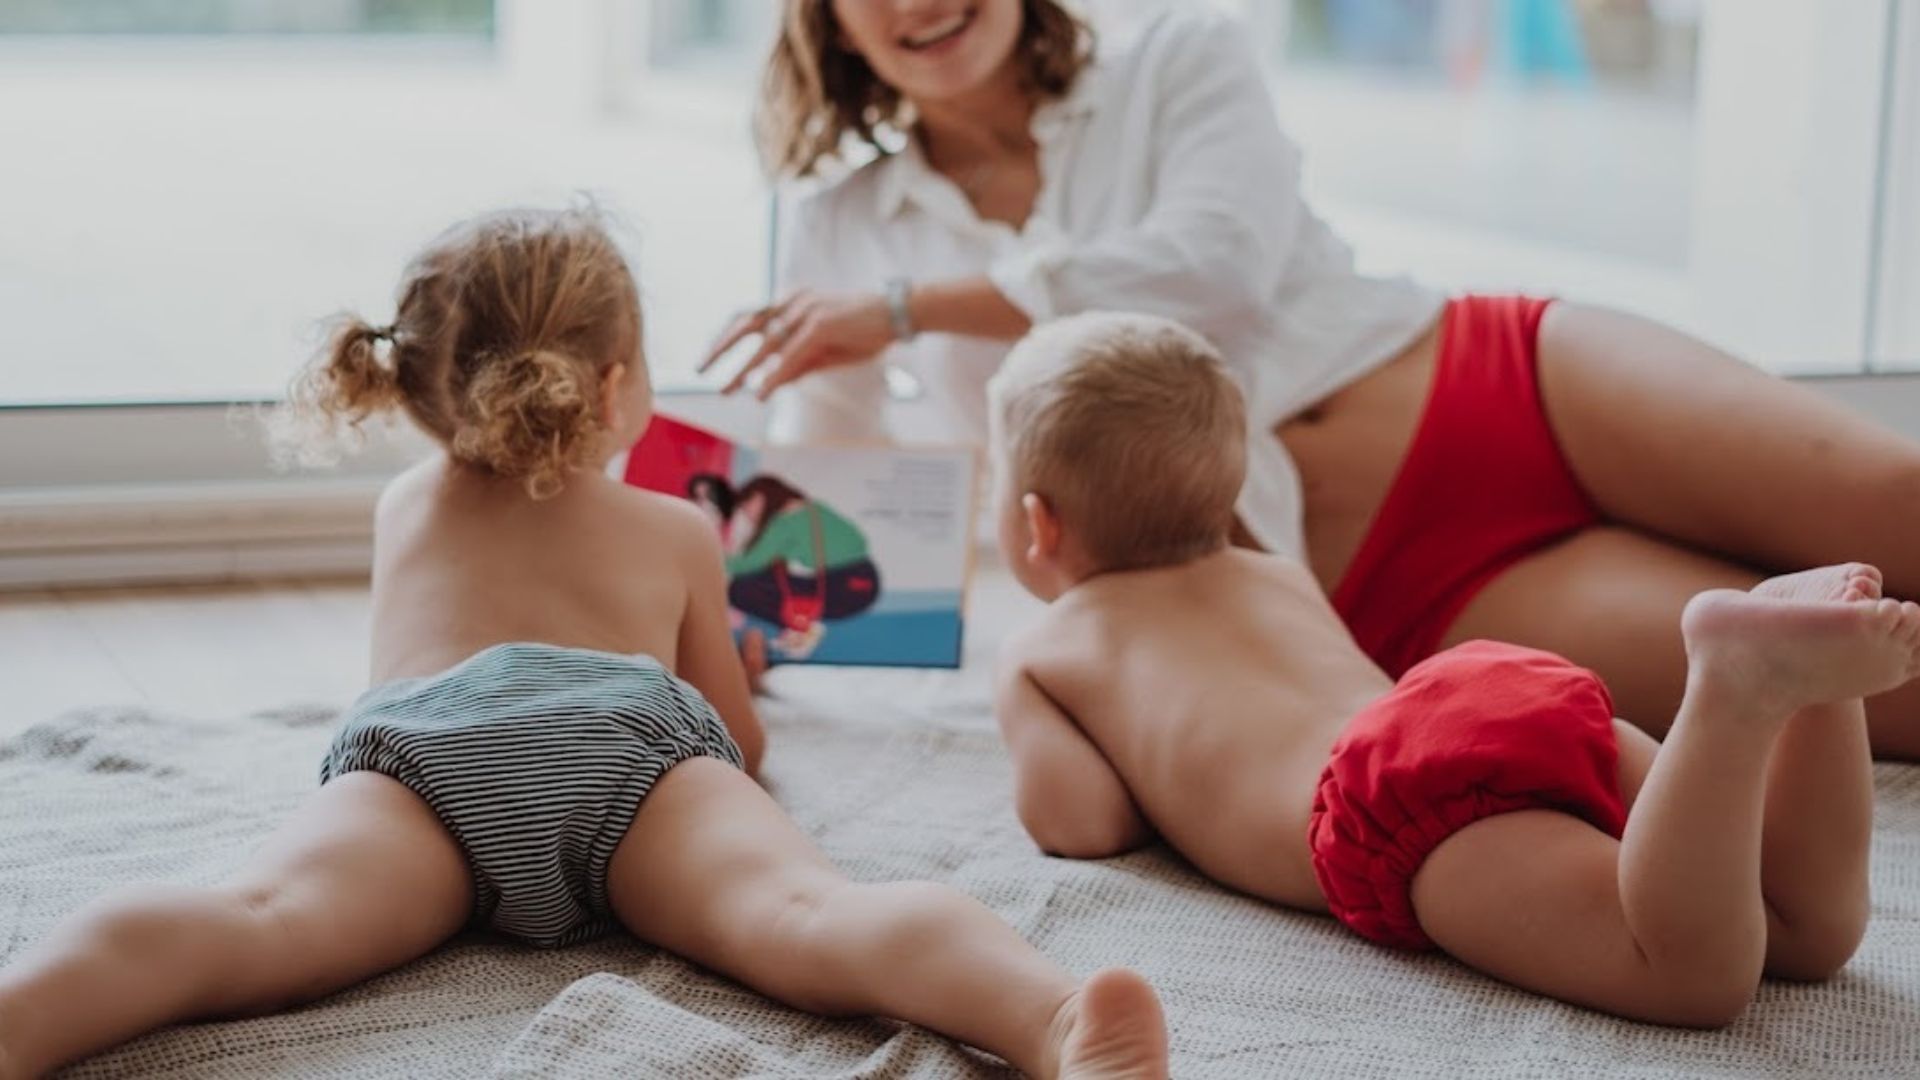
[1795, 642]
[1111, 1028]
[1848, 582]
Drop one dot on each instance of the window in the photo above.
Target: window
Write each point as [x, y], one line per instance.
[1711, 163]
[191, 187]
[1561, 126]
[1897, 307]
[720, 39]
[191, 184]
[245, 16]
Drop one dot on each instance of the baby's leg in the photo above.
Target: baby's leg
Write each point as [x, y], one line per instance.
[1667, 924]
[1819, 816]
[714, 871]
[363, 878]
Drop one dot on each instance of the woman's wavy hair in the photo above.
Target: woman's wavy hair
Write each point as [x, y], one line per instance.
[816, 91]
[505, 326]
[776, 497]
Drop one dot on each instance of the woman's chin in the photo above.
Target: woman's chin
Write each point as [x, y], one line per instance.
[951, 84]
[968, 71]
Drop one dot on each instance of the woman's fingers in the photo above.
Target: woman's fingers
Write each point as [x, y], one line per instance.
[803, 333]
[747, 322]
[770, 345]
[757, 321]
[804, 352]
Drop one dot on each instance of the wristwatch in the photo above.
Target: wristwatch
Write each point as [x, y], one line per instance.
[898, 290]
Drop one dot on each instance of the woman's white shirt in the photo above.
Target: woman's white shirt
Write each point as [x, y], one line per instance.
[1167, 187]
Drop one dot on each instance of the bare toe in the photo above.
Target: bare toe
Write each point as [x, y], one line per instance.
[1794, 653]
[1844, 581]
[1112, 1028]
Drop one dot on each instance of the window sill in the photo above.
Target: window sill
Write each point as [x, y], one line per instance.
[150, 494]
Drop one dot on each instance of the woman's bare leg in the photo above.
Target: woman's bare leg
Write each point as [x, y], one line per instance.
[1628, 589]
[1674, 438]
[1667, 924]
[712, 870]
[362, 879]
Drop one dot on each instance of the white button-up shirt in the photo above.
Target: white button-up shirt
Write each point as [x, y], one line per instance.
[1167, 187]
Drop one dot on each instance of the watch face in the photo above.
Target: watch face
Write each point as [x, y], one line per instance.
[897, 290]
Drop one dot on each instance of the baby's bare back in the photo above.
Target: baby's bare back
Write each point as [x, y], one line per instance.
[1216, 689]
[464, 561]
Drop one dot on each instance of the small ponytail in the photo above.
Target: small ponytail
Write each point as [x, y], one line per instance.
[342, 387]
[506, 326]
[531, 416]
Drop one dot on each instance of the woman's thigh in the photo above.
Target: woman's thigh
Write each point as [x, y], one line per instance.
[1673, 437]
[1610, 599]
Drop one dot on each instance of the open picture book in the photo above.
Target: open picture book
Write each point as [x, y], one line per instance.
[838, 554]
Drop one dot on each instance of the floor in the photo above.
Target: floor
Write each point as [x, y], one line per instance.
[192, 650]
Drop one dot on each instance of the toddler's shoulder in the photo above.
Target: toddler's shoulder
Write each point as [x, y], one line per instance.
[668, 520]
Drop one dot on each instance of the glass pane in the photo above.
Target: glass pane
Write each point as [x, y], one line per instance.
[1897, 335]
[1566, 124]
[715, 38]
[177, 221]
[246, 16]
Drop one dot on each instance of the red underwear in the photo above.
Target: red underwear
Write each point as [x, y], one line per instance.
[1483, 486]
[1481, 729]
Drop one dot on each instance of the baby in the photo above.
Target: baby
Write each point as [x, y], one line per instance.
[560, 739]
[1489, 804]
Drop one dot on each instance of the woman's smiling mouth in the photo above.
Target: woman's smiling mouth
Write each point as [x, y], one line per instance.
[938, 34]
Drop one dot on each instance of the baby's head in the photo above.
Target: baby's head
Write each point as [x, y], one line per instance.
[516, 345]
[1119, 443]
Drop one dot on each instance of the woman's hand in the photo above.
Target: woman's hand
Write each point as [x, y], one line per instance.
[804, 333]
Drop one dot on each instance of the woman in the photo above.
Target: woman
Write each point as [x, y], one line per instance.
[796, 563]
[1552, 475]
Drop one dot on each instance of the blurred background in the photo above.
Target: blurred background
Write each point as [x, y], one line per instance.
[190, 184]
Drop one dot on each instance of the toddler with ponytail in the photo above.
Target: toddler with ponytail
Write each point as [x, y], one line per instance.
[559, 742]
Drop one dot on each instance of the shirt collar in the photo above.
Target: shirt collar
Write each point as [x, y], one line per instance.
[905, 175]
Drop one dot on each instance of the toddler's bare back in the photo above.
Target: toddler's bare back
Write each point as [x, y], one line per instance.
[1216, 689]
[464, 561]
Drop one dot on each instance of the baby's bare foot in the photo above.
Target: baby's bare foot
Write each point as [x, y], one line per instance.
[1111, 1028]
[1846, 582]
[1786, 654]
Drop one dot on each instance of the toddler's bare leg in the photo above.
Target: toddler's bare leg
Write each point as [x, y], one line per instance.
[713, 870]
[363, 878]
[1667, 925]
[1819, 816]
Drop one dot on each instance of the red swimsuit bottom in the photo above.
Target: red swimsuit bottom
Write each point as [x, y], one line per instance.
[1483, 486]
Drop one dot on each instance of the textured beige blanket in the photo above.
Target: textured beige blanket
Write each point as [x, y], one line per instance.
[896, 774]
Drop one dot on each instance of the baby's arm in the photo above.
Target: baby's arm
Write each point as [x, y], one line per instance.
[708, 658]
[1068, 796]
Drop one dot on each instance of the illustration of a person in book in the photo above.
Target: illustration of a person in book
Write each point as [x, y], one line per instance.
[712, 494]
[796, 563]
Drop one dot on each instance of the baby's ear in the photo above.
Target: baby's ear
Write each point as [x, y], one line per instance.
[1043, 528]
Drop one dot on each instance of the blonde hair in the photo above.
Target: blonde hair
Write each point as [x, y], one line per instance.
[815, 91]
[1131, 429]
[506, 325]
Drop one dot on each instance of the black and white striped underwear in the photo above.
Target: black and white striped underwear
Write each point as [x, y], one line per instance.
[535, 757]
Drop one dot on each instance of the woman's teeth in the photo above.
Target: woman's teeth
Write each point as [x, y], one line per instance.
[939, 33]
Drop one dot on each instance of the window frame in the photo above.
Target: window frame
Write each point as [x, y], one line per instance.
[136, 460]
[1894, 323]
